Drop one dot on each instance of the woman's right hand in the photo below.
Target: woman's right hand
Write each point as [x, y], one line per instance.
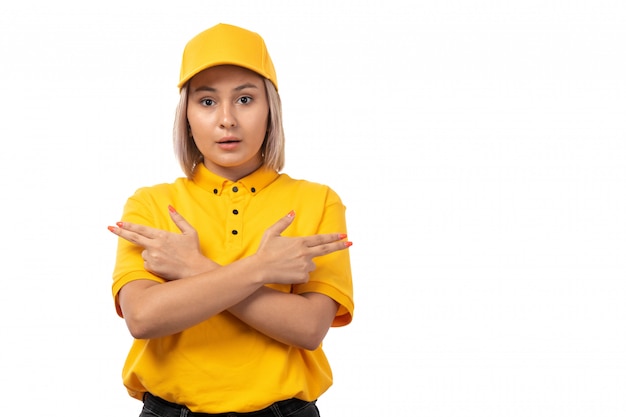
[166, 254]
[289, 260]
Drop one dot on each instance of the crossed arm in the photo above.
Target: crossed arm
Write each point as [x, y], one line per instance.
[198, 288]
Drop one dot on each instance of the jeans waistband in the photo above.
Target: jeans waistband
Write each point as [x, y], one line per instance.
[165, 408]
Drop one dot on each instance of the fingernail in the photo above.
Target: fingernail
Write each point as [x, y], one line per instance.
[111, 229]
[348, 244]
[342, 235]
[291, 214]
[119, 224]
[171, 209]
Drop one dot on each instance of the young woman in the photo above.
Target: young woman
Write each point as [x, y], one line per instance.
[229, 278]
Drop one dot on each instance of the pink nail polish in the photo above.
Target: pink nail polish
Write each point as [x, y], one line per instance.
[291, 214]
[342, 235]
[348, 244]
[111, 229]
[119, 224]
[171, 209]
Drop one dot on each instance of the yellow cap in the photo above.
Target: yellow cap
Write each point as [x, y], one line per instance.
[226, 45]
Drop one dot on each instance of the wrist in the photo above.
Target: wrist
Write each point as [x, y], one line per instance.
[201, 265]
[256, 270]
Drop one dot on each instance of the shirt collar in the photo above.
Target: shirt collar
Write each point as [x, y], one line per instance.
[215, 184]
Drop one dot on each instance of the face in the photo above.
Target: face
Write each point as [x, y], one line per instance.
[228, 111]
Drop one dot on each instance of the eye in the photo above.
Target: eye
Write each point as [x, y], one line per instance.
[207, 102]
[245, 100]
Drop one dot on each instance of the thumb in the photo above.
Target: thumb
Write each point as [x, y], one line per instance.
[180, 221]
[282, 224]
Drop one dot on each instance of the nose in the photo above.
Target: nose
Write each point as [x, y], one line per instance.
[228, 118]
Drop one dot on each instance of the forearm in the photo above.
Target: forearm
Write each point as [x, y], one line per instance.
[191, 296]
[298, 320]
[154, 310]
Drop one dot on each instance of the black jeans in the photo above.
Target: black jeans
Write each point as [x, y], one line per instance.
[158, 407]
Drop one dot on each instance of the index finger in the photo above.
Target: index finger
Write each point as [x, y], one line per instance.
[134, 233]
[329, 247]
[322, 239]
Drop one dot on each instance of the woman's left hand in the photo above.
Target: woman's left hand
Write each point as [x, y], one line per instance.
[166, 254]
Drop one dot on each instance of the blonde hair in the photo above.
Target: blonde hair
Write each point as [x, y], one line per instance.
[272, 150]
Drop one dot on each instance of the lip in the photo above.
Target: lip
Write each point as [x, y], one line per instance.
[229, 139]
[228, 142]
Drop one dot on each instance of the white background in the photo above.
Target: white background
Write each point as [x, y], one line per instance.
[479, 147]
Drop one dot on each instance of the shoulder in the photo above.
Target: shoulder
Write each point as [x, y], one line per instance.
[156, 190]
[305, 186]
[315, 196]
[148, 204]
[158, 194]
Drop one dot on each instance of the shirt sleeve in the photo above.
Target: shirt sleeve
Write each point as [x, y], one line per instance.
[139, 209]
[332, 275]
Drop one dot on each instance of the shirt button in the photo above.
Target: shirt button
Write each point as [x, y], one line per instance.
[235, 232]
[253, 190]
[215, 191]
[235, 189]
[235, 211]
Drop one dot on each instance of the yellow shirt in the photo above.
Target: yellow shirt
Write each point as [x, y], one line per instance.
[222, 364]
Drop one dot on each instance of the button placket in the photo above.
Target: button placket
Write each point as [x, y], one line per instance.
[234, 223]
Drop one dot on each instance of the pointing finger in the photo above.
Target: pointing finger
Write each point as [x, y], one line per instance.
[139, 229]
[122, 231]
[327, 248]
[317, 240]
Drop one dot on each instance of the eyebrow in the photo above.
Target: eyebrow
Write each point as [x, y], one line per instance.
[211, 89]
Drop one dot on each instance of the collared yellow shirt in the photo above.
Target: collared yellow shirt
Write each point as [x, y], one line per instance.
[222, 364]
